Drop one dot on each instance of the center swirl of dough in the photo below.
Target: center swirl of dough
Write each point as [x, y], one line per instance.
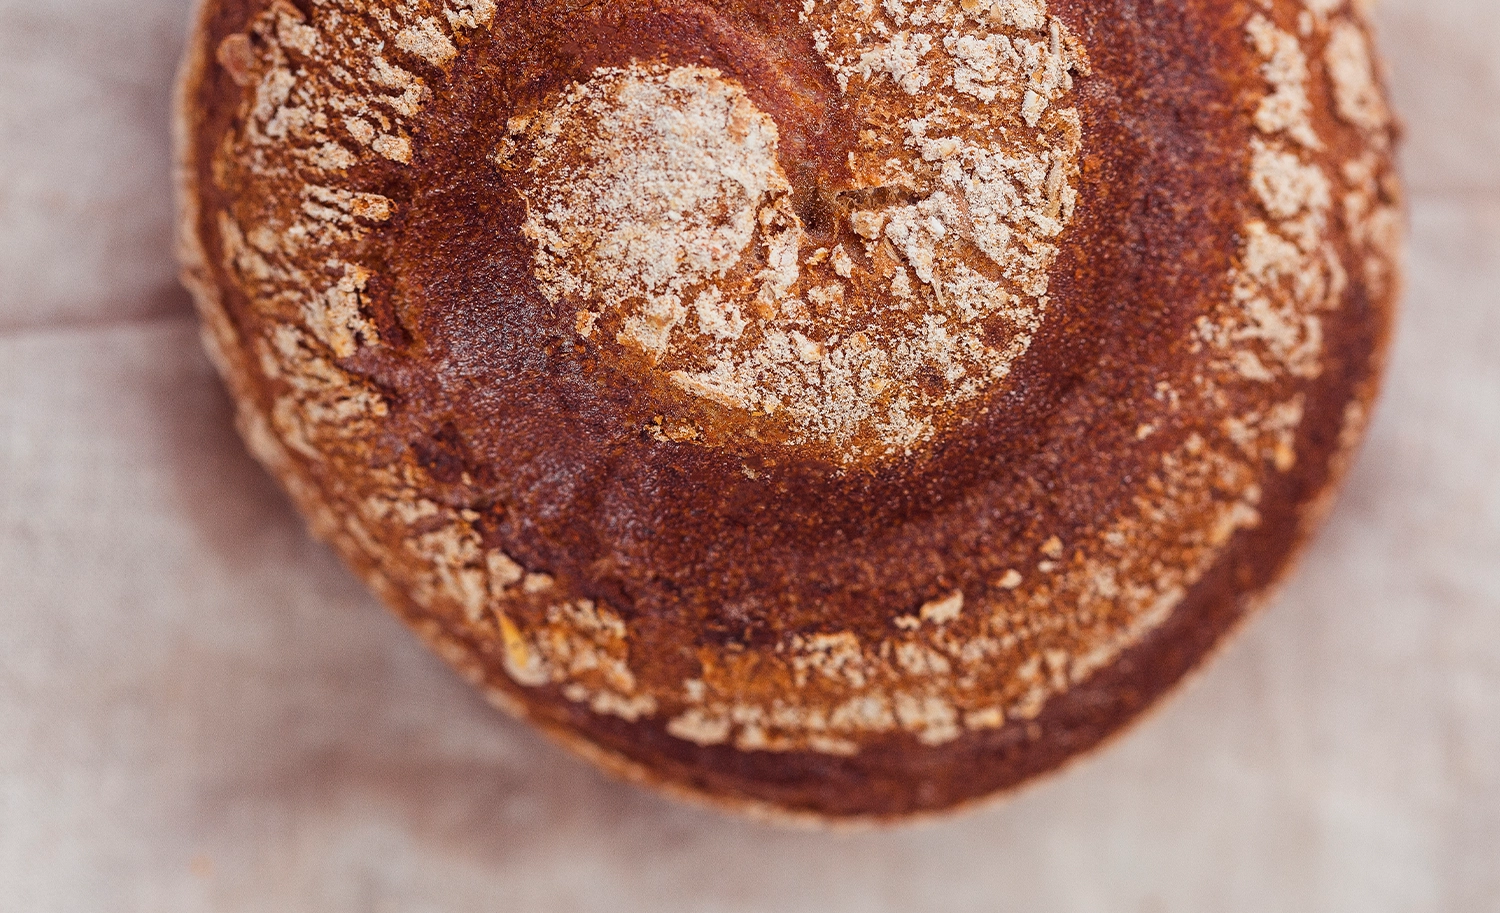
[660, 215]
[652, 185]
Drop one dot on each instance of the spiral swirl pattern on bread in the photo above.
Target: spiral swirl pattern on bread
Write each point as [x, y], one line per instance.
[831, 408]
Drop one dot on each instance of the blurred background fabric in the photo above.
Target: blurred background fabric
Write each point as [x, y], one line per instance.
[201, 710]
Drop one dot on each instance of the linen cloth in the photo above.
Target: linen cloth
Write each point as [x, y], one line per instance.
[200, 710]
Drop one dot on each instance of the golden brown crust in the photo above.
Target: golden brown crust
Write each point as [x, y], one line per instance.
[839, 409]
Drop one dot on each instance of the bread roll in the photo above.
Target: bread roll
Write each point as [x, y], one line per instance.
[829, 409]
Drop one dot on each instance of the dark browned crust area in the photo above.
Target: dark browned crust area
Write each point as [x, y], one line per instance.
[498, 408]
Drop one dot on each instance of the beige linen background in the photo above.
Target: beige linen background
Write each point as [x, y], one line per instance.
[201, 711]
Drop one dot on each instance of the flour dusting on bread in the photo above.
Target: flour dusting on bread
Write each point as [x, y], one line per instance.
[659, 209]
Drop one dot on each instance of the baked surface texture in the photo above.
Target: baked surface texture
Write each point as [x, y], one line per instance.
[830, 409]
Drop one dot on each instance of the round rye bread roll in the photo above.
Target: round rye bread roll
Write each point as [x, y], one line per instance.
[828, 409]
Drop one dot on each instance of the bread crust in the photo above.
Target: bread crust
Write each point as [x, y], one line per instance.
[591, 487]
